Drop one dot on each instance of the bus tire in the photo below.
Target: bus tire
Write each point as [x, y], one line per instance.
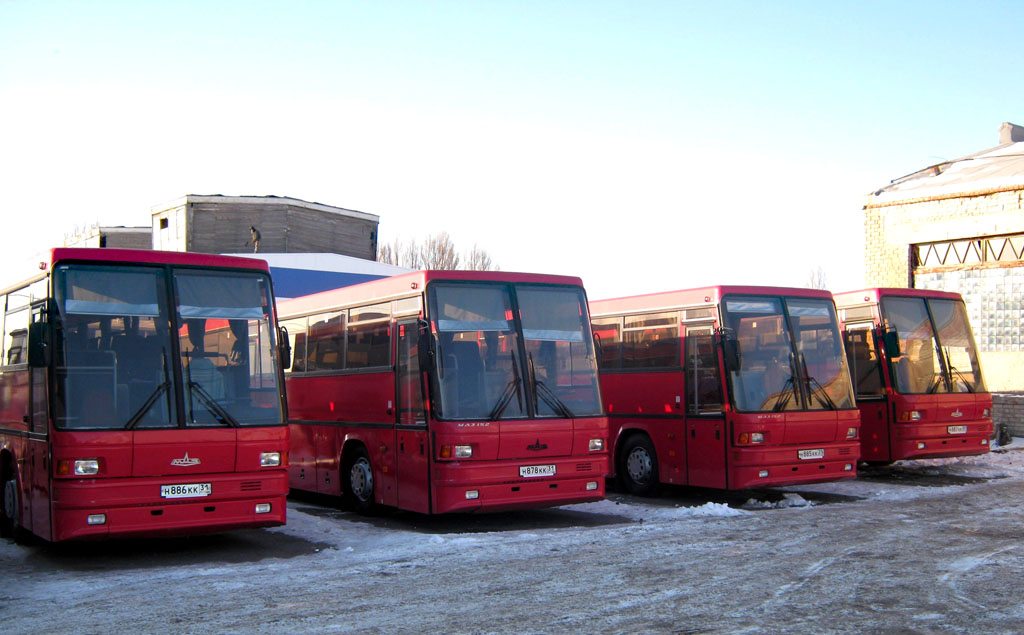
[638, 466]
[358, 481]
[10, 527]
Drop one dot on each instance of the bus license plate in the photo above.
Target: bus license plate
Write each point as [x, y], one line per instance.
[805, 455]
[526, 471]
[187, 490]
[957, 429]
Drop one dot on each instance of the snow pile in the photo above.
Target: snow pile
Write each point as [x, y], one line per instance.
[789, 499]
[720, 510]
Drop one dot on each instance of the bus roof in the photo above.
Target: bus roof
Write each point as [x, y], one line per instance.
[404, 285]
[149, 256]
[700, 296]
[873, 295]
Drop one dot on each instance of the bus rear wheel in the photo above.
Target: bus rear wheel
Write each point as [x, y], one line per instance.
[359, 482]
[9, 525]
[638, 466]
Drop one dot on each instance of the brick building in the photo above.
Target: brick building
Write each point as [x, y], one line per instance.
[959, 226]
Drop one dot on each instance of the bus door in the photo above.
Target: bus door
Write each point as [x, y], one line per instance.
[38, 486]
[412, 442]
[705, 422]
[869, 387]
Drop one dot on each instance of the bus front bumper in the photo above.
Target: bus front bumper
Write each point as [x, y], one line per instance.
[755, 467]
[134, 507]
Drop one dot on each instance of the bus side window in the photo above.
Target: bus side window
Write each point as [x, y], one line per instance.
[296, 330]
[16, 338]
[865, 368]
[607, 342]
[703, 380]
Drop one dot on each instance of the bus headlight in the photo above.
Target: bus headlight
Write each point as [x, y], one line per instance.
[96, 519]
[910, 415]
[851, 433]
[597, 445]
[270, 459]
[751, 437]
[263, 508]
[986, 413]
[87, 467]
[463, 451]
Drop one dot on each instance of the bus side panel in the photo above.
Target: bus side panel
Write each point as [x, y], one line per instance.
[874, 430]
[38, 487]
[654, 393]
[706, 439]
[302, 458]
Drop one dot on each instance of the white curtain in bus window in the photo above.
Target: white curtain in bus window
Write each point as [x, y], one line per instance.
[220, 296]
[473, 308]
[94, 291]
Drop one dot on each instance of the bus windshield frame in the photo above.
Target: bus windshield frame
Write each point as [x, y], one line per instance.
[784, 354]
[163, 347]
[506, 351]
[937, 349]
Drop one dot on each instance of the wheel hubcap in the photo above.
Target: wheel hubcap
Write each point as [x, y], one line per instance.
[638, 465]
[361, 478]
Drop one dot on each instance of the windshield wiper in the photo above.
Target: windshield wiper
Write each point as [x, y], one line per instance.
[785, 395]
[541, 390]
[967, 384]
[818, 392]
[141, 412]
[511, 388]
[211, 404]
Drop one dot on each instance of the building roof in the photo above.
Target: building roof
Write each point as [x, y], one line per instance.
[261, 200]
[994, 169]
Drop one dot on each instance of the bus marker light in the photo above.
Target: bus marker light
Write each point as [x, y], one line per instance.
[984, 441]
[910, 415]
[446, 452]
[270, 459]
[596, 445]
[262, 508]
[762, 474]
[848, 467]
[472, 494]
[87, 467]
[591, 486]
[851, 433]
[463, 451]
[920, 446]
[96, 519]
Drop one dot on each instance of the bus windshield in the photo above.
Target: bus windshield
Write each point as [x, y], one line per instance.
[789, 355]
[512, 351]
[124, 359]
[937, 351]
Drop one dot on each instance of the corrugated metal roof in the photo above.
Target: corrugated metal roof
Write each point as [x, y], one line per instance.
[1001, 167]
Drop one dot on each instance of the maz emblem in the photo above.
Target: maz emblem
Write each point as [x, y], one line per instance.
[956, 414]
[185, 462]
[538, 446]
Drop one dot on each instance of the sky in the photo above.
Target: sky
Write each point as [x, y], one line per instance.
[643, 146]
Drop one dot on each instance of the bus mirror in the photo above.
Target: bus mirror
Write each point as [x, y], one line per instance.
[39, 345]
[425, 345]
[284, 346]
[731, 353]
[891, 344]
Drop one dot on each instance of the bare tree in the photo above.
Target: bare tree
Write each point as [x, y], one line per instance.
[817, 279]
[436, 252]
[479, 260]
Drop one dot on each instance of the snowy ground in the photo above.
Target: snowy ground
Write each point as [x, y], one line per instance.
[921, 547]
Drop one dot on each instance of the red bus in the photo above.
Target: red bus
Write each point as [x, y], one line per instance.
[727, 387]
[140, 395]
[446, 391]
[916, 374]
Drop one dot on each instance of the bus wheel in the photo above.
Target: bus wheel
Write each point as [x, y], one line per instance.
[638, 466]
[9, 526]
[359, 482]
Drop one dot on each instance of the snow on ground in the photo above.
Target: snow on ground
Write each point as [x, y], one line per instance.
[923, 545]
